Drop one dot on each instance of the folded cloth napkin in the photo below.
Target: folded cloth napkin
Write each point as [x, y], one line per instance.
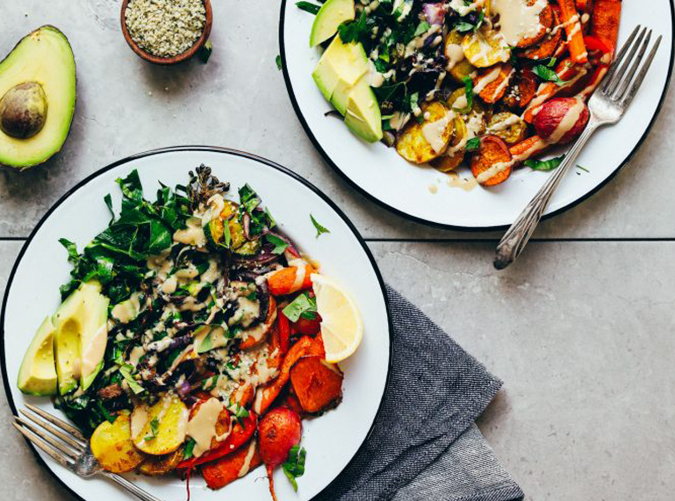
[424, 445]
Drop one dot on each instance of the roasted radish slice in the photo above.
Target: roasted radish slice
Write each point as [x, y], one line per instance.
[278, 431]
[491, 164]
[421, 142]
[511, 128]
[562, 119]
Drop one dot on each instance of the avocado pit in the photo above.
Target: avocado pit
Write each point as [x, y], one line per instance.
[23, 110]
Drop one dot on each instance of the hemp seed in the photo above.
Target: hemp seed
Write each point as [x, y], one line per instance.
[165, 28]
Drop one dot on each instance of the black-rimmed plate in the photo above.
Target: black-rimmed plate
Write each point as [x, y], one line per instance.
[426, 195]
[331, 440]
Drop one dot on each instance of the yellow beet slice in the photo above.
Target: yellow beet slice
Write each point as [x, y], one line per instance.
[413, 144]
[159, 429]
[112, 447]
[483, 48]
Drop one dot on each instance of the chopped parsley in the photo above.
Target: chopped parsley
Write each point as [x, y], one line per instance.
[189, 447]
[310, 7]
[302, 306]
[320, 230]
[154, 427]
[280, 245]
[473, 144]
[544, 165]
[294, 466]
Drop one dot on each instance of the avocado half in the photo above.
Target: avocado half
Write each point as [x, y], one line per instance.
[37, 98]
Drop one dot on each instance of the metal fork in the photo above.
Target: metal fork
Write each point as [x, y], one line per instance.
[68, 447]
[606, 106]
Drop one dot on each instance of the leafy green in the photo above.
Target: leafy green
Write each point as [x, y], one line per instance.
[294, 466]
[422, 28]
[473, 144]
[546, 73]
[302, 306]
[189, 447]
[280, 245]
[125, 370]
[116, 257]
[154, 427]
[352, 31]
[545, 165]
[319, 228]
[468, 92]
[310, 7]
[207, 344]
[278, 61]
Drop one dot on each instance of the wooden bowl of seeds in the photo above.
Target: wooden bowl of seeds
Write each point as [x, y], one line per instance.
[166, 31]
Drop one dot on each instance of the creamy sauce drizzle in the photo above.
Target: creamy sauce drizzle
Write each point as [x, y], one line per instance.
[202, 426]
[247, 460]
[517, 19]
[434, 132]
[568, 121]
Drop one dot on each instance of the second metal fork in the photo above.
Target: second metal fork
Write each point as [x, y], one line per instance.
[68, 447]
[606, 106]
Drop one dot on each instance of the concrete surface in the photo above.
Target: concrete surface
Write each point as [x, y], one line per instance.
[581, 332]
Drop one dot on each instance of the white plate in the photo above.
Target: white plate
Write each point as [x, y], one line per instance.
[331, 440]
[381, 174]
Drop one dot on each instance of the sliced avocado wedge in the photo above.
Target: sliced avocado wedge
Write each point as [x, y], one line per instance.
[94, 336]
[37, 98]
[68, 320]
[331, 15]
[363, 115]
[341, 66]
[37, 375]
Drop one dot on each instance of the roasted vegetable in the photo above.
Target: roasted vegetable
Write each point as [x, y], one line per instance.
[484, 48]
[316, 383]
[255, 335]
[521, 90]
[491, 83]
[278, 432]
[511, 128]
[545, 23]
[454, 155]
[229, 468]
[491, 165]
[112, 447]
[160, 465]
[414, 141]
[290, 279]
[547, 46]
[160, 429]
[561, 120]
[605, 21]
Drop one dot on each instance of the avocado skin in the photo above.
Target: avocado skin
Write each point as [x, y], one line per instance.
[31, 162]
[23, 110]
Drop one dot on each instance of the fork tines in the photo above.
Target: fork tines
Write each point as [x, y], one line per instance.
[617, 84]
[55, 437]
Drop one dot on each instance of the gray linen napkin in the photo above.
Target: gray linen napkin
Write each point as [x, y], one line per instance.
[424, 445]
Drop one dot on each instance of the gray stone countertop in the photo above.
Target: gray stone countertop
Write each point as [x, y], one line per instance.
[580, 329]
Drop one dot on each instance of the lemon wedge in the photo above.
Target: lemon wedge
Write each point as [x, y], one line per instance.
[341, 324]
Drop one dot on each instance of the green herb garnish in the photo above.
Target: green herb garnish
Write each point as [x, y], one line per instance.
[154, 426]
[189, 447]
[125, 370]
[320, 230]
[310, 7]
[546, 73]
[473, 144]
[545, 165]
[280, 245]
[302, 306]
[294, 466]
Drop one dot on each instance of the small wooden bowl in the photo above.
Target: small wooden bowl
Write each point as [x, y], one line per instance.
[175, 59]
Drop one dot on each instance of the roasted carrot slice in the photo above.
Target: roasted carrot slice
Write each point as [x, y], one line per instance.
[527, 148]
[305, 347]
[575, 36]
[233, 466]
[290, 279]
[316, 384]
[253, 336]
[492, 88]
[605, 21]
[491, 165]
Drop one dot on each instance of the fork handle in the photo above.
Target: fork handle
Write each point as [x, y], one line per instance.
[134, 489]
[515, 239]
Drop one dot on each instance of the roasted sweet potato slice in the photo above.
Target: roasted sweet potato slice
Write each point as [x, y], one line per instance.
[522, 90]
[253, 336]
[413, 143]
[316, 384]
[491, 83]
[491, 164]
[545, 23]
[546, 46]
[231, 467]
[527, 148]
